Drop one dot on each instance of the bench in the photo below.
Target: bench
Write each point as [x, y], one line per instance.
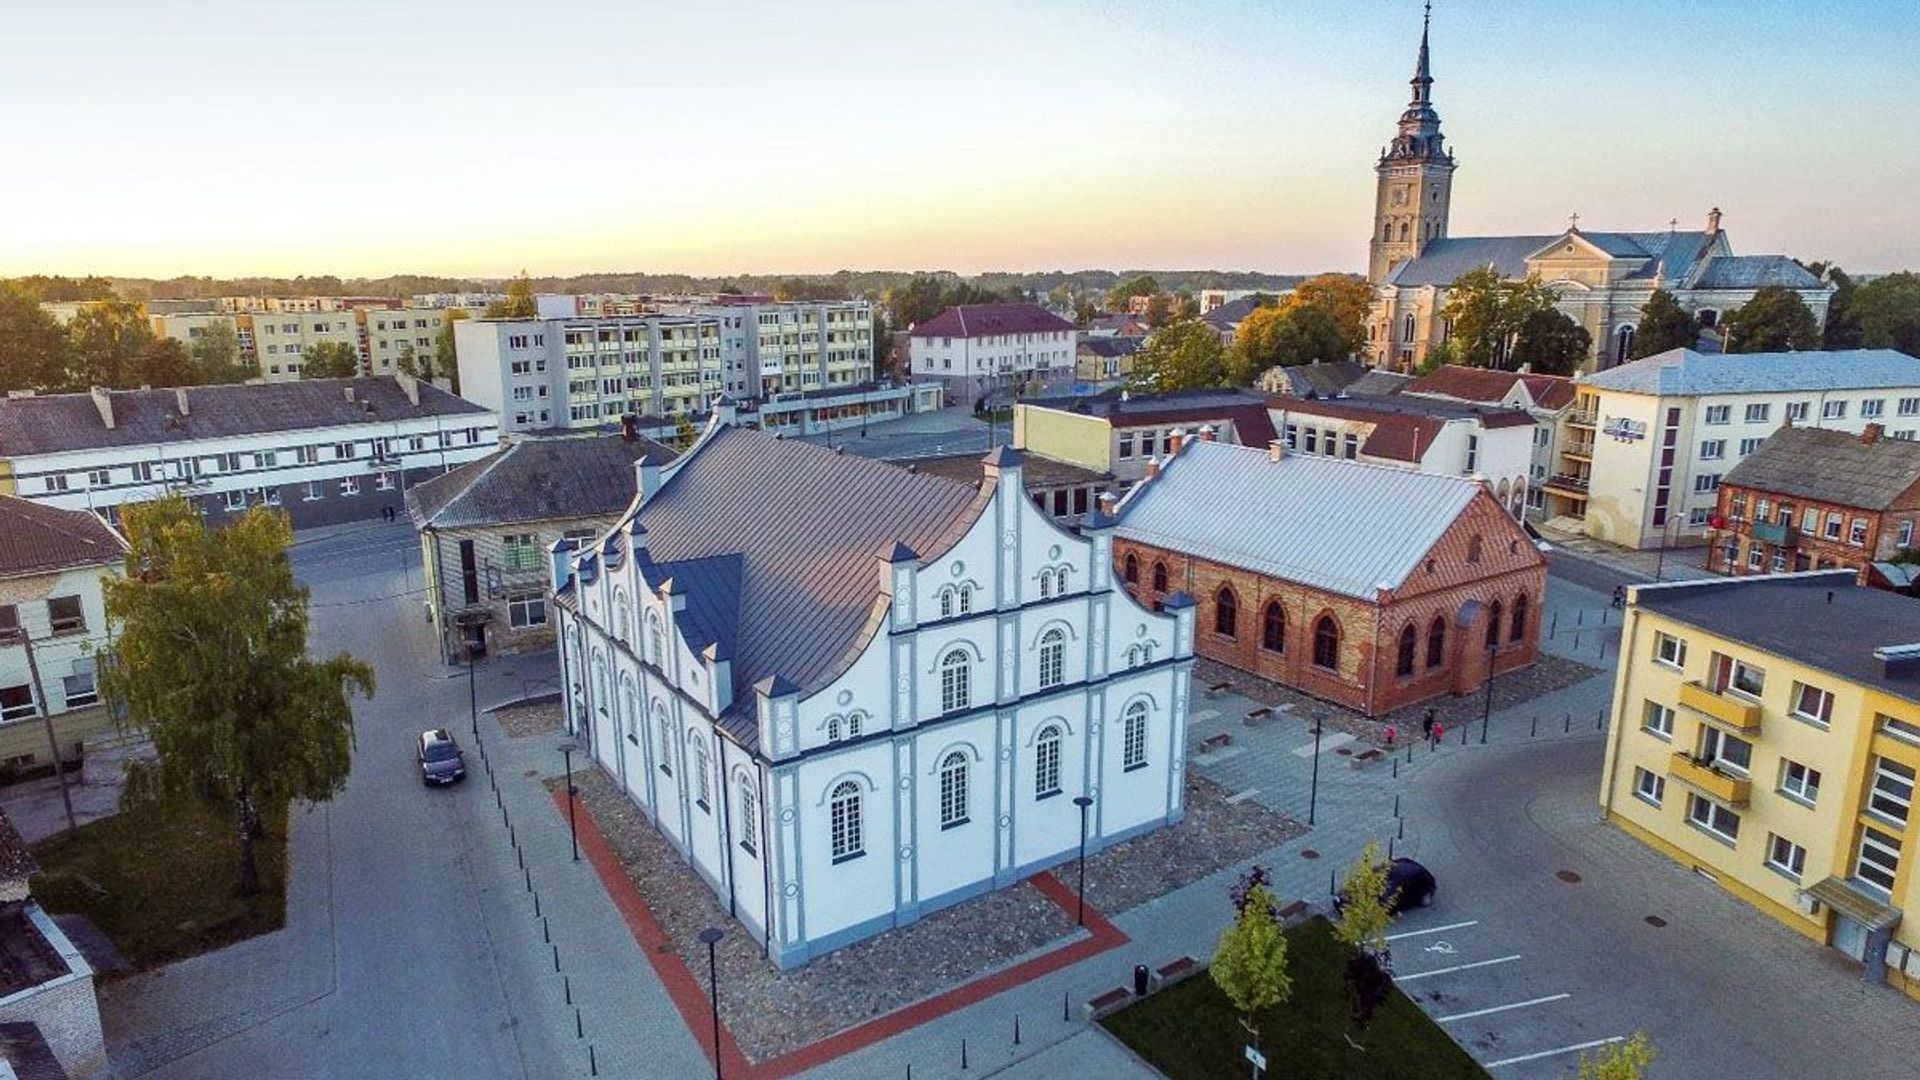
[1184, 968]
[1109, 1002]
[1360, 759]
[1257, 715]
[1219, 688]
[1295, 912]
[1216, 742]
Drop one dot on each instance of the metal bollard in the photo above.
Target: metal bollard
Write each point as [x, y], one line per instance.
[546, 932]
[1402, 833]
[593, 1063]
[1568, 726]
[529, 881]
[1396, 806]
[1333, 883]
[963, 1054]
[1553, 627]
[567, 980]
[1396, 767]
[1463, 734]
[1066, 1011]
[556, 958]
[1533, 727]
[1016, 1030]
[536, 905]
[1600, 720]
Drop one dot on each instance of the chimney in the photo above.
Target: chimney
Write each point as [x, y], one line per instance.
[1109, 502]
[104, 403]
[1153, 467]
[180, 400]
[629, 427]
[1176, 439]
[1276, 449]
[409, 386]
[1206, 433]
[349, 390]
[1713, 221]
[1873, 432]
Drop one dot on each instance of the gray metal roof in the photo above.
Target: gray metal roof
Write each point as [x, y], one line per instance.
[1684, 372]
[1831, 466]
[1322, 379]
[1754, 272]
[784, 539]
[535, 480]
[1671, 254]
[53, 423]
[1337, 525]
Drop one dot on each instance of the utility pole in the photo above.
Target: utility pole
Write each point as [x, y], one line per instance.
[46, 718]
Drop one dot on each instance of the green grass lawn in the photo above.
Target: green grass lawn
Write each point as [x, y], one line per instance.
[163, 880]
[1191, 1031]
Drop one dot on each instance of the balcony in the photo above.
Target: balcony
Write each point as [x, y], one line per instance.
[1706, 779]
[1779, 535]
[1583, 417]
[1580, 450]
[1568, 484]
[1722, 709]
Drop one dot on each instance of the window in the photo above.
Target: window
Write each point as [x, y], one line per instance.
[1126, 445]
[104, 477]
[1657, 719]
[1873, 408]
[847, 840]
[946, 603]
[1159, 577]
[666, 739]
[1517, 629]
[956, 681]
[233, 500]
[1906, 533]
[56, 482]
[1719, 414]
[16, 702]
[1748, 446]
[1706, 482]
[1891, 796]
[1909, 406]
[1226, 613]
[1436, 641]
[520, 552]
[9, 623]
[349, 485]
[1350, 446]
[1273, 628]
[1473, 452]
[1833, 410]
[1797, 410]
[1755, 557]
[1649, 787]
[749, 813]
[1799, 782]
[1723, 750]
[1132, 571]
[80, 689]
[1812, 703]
[1714, 818]
[953, 790]
[65, 615]
[965, 594]
[1046, 577]
[1857, 534]
[702, 781]
[1403, 658]
[1757, 414]
[315, 492]
[1493, 625]
[526, 610]
[1053, 649]
[342, 451]
[1046, 763]
[1326, 643]
[1133, 753]
[1832, 531]
[1786, 856]
[1713, 449]
[1878, 863]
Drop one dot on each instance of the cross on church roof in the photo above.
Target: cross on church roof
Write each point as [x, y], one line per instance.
[1573, 222]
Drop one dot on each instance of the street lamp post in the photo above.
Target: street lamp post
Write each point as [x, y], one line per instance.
[1313, 790]
[1486, 710]
[1080, 913]
[567, 747]
[711, 937]
[473, 699]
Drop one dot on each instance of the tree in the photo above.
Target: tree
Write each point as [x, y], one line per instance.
[216, 355]
[1250, 963]
[1887, 311]
[519, 303]
[1551, 343]
[1775, 320]
[410, 364]
[212, 664]
[1439, 355]
[1619, 1061]
[446, 359]
[110, 341]
[1488, 312]
[165, 363]
[1159, 309]
[683, 431]
[1363, 921]
[1664, 325]
[33, 349]
[1842, 328]
[1183, 356]
[1286, 335]
[1346, 297]
[797, 288]
[1120, 295]
[330, 360]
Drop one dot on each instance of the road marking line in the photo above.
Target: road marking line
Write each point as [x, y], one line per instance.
[1551, 1053]
[1500, 1008]
[1462, 967]
[1243, 796]
[1434, 930]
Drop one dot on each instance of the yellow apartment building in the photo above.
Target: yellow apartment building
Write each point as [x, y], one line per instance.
[1766, 734]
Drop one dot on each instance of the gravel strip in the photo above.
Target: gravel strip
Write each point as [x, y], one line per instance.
[520, 721]
[1215, 834]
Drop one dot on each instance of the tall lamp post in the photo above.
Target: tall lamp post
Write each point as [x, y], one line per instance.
[1080, 913]
[567, 747]
[473, 700]
[711, 937]
[1486, 710]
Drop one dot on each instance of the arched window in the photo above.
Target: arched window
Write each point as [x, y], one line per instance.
[1159, 577]
[702, 778]
[666, 738]
[1046, 763]
[1226, 612]
[1134, 741]
[749, 813]
[1437, 641]
[1326, 643]
[1622, 344]
[1406, 328]
[845, 813]
[1273, 628]
[956, 681]
[946, 603]
[656, 649]
[1709, 318]
[1409, 641]
[953, 789]
[1046, 584]
[1519, 628]
[621, 615]
[1386, 232]
[833, 729]
[633, 713]
[1053, 652]
[1493, 624]
[1060, 581]
[966, 599]
[1132, 569]
[855, 722]
[1403, 230]
[1146, 652]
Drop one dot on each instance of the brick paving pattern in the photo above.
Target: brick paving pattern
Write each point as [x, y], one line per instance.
[539, 718]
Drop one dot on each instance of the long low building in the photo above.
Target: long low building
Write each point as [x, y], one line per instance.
[324, 450]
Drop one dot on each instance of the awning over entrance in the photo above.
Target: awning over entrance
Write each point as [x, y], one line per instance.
[1840, 895]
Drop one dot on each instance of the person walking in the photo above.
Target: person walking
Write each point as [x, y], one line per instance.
[1426, 724]
[1619, 596]
[1439, 733]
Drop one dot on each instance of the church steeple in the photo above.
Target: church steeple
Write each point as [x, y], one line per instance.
[1414, 175]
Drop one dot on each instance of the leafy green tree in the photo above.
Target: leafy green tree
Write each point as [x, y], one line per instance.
[1619, 1061]
[1159, 309]
[409, 363]
[1439, 355]
[1285, 335]
[330, 360]
[798, 288]
[110, 341]
[1775, 320]
[1183, 356]
[446, 359]
[1842, 328]
[1120, 295]
[212, 664]
[1347, 298]
[683, 431]
[33, 348]
[1250, 963]
[1664, 325]
[165, 363]
[519, 303]
[216, 355]
[1364, 917]
[1887, 311]
[1488, 312]
[1552, 343]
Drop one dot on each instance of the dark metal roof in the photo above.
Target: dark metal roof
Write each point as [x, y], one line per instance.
[1038, 471]
[1831, 466]
[536, 480]
[1322, 379]
[1670, 254]
[36, 539]
[52, 423]
[1754, 272]
[981, 320]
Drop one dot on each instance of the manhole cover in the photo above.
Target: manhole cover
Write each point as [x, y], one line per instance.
[1655, 920]
[1568, 876]
[1343, 752]
[530, 773]
[1309, 853]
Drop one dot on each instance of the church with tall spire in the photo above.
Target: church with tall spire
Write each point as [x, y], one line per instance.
[1603, 279]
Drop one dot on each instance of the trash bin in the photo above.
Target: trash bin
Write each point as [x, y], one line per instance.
[1140, 980]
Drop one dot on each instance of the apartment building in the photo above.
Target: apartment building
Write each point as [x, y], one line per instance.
[281, 339]
[324, 450]
[1421, 434]
[1123, 435]
[386, 335]
[1817, 499]
[977, 349]
[779, 347]
[1766, 735]
[1650, 441]
[542, 374]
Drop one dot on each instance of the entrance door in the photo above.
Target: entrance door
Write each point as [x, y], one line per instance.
[475, 638]
[1850, 937]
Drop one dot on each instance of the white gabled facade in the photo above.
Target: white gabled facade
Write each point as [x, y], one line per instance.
[996, 681]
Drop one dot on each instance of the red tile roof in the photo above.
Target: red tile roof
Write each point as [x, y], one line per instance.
[1483, 384]
[983, 320]
[36, 539]
[1402, 430]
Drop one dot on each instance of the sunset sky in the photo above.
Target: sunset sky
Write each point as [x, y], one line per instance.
[478, 138]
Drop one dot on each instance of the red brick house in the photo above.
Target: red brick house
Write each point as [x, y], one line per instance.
[1368, 586]
[1815, 499]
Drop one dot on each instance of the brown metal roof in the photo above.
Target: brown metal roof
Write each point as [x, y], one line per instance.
[36, 539]
[1831, 466]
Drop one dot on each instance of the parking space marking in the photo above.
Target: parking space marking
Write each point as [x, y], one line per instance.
[1461, 967]
[1434, 930]
[1551, 1053]
[1501, 1008]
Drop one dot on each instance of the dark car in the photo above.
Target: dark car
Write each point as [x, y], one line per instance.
[440, 759]
[1408, 885]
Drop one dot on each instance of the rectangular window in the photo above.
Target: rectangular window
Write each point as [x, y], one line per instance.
[1657, 719]
[1833, 527]
[1797, 410]
[234, 500]
[1473, 452]
[1891, 797]
[519, 552]
[1706, 482]
[1756, 557]
[1126, 446]
[342, 451]
[1878, 862]
[1649, 787]
[266, 460]
[1812, 703]
[1873, 408]
[1786, 856]
[314, 492]
[1833, 410]
[1809, 521]
[1313, 440]
[1714, 818]
[10, 623]
[65, 615]
[1857, 535]
[1724, 751]
[1799, 782]
[99, 477]
[1748, 446]
[1719, 414]
[1757, 414]
[526, 610]
[1713, 449]
[349, 485]
[16, 702]
[81, 689]
[1669, 650]
[1906, 533]
[1745, 678]
[1909, 406]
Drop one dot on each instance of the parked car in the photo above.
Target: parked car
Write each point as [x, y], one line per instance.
[1408, 885]
[441, 761]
